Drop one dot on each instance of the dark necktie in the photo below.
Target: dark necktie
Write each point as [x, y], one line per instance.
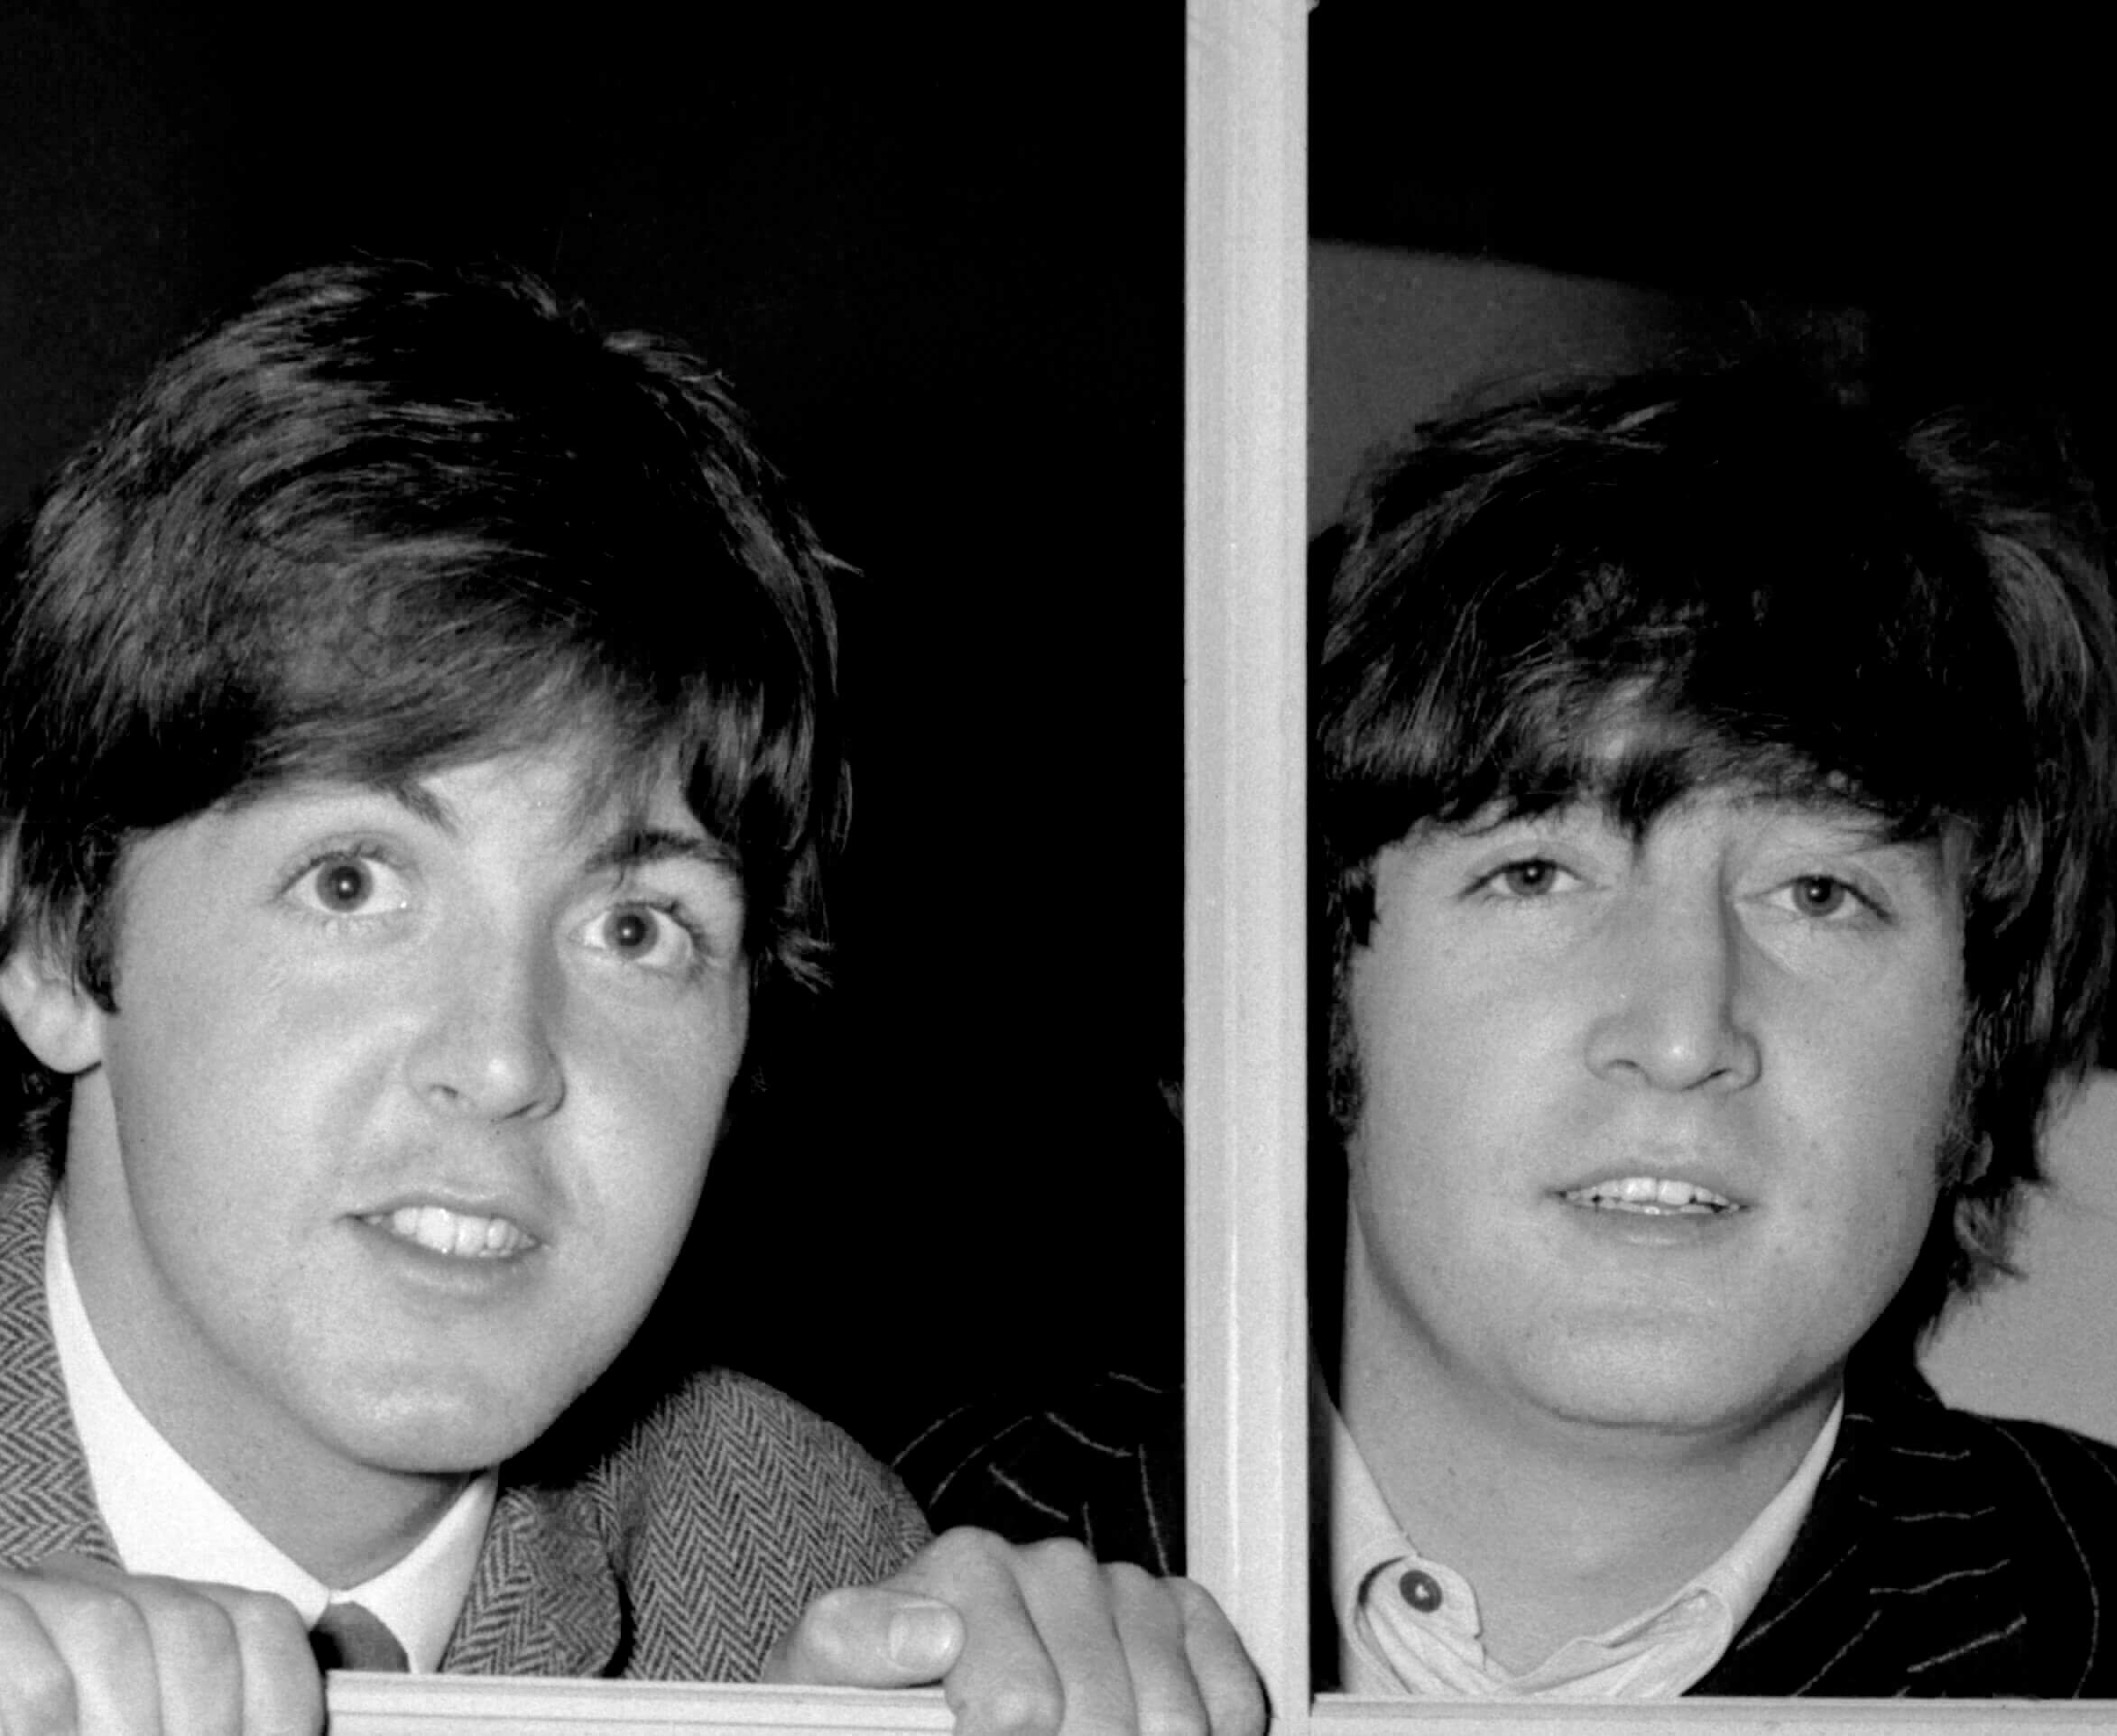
[346, 1636]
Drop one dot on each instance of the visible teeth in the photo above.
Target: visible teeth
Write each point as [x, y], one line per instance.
[461, 1233]
[1650, 1194]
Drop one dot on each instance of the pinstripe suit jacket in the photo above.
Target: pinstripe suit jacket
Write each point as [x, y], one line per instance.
[680, 1554]
[1945, 1554]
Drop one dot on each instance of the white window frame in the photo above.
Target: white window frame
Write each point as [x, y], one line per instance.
[1245, 999]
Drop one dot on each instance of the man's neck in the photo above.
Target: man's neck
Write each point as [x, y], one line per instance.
[1563, 1530]
[344, 1525]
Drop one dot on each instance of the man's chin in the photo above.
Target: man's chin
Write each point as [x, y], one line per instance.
[1677, 1403]
[458, 1430]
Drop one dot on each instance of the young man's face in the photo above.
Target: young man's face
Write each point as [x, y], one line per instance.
[404, 1111]
[1649, 1132]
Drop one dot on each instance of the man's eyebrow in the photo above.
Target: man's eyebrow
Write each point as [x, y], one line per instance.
[1871, 826]
[1864, 824]
[638, 847]
[422, 803]
[413, 796]
[632, 845]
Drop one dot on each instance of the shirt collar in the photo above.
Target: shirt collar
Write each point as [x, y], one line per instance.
[167, 1519]
[1389, 1646]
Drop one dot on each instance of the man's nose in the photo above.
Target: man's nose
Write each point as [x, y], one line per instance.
[1672, 998]
[486, 1045]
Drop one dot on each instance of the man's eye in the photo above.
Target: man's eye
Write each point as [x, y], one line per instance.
[643, 933]
[344, 884]
[1534, 877]
[1822, 896]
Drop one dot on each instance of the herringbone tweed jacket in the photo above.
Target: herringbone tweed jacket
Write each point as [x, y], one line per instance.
[682, 1554]
[1945, 1553]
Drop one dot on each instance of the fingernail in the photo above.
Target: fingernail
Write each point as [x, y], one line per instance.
[922, 1636]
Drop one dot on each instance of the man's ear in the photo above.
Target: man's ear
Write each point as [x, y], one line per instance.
[57, 1019]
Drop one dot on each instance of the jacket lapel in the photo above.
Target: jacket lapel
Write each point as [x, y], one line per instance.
[545, 1600]
[1902, 1577]
[47, 1505]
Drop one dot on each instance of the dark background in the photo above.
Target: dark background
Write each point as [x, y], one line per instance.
[938, 252]
[1950, 183]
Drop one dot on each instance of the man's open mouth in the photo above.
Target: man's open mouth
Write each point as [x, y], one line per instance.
[465, 1234]
[1655, 1195]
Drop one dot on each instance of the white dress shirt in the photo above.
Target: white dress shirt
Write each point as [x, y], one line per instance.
[168, 1521]
[1409, 1625]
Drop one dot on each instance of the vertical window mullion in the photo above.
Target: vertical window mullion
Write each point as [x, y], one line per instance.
[1245, 924]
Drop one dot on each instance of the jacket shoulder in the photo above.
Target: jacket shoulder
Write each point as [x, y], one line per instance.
[1948, 1552]
[768, 1454]
[1099, 1460]
[2045, 1499]
[730, 1507]
[2036, 1475]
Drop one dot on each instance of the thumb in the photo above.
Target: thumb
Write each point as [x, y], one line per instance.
[868, 1638]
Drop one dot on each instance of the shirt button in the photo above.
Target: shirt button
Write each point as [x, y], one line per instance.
[1421, 1591]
